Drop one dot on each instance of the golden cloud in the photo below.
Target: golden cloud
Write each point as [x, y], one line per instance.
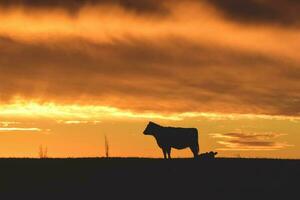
[147, 58]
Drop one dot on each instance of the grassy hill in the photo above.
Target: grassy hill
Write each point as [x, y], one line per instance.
[150, 178]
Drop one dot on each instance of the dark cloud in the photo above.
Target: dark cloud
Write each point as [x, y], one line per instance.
[73, 6]
[166, 76]
[283, 12]
[253, 136]
[249, 141]
[280, 12]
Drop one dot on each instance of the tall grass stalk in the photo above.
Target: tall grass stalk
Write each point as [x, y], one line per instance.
[43, 152]
[106, 144]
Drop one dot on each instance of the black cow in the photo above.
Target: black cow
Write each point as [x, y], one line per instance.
[178, 138]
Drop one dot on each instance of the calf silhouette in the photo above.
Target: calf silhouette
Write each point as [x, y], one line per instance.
[208, 155]
[173, 137]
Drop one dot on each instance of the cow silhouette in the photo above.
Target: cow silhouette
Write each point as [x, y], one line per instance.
[173, 137]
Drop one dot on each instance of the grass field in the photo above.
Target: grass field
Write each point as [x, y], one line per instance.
[149, 178]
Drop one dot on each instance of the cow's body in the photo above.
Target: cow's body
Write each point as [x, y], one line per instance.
[171, 137]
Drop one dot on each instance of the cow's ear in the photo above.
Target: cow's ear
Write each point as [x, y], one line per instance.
[215, 153]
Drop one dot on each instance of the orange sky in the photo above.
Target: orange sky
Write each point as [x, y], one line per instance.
[73, 72]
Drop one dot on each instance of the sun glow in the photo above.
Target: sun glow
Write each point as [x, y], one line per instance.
[78, 114]
[34, 109]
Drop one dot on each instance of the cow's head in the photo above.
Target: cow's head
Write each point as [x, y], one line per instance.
[213, 154]
[151, 128]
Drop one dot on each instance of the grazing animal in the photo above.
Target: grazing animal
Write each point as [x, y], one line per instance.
[173, 137]
[208, 155]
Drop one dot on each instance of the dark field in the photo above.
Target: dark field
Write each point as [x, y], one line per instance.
[99, 178]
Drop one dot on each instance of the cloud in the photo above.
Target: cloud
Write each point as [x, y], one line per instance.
[249, 141]
[136, 72]
[7, 123]
[131, 61]
[78, 122]
[279, 12]
[73, 7]
[18, 129]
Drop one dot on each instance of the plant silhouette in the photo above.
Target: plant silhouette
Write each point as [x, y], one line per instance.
[106, 147]
[43, 152]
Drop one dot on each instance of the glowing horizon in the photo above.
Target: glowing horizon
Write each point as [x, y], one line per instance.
[52, 116]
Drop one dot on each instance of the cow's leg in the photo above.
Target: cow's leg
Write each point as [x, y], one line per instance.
[169, 152]
[195, 150]
[165, 153]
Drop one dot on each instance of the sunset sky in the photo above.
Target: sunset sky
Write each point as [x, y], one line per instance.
[74, 71]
